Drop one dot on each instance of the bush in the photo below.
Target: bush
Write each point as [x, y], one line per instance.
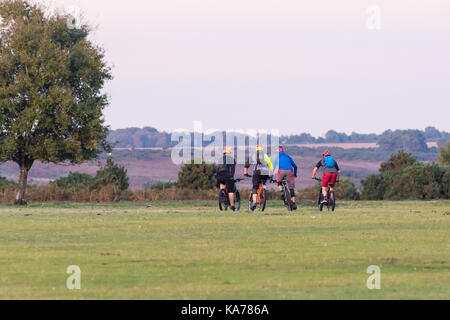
[160, 185]
[374, 187]
[397, 162]
[75, 181]
[346, 190]
[197, 176]
[402, 178]
[111, 174]
[6, 184]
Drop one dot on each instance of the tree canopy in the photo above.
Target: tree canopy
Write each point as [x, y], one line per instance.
[51, 80]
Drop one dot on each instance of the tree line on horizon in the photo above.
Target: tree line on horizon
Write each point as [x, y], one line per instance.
[390, 140]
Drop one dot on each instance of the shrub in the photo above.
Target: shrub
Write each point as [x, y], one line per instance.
[160, 185]
[75, 181]
[111, 174]
[402, 178]
[197, 176]
[398, 161]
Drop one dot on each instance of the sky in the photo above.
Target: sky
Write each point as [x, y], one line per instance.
[295, 66]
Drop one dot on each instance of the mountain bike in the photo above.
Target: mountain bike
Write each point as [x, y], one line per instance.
[331, 205]
[287, 197]
[224, 200]
[261, 198]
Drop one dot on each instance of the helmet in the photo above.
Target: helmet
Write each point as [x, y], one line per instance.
[280, 149]
[259, 147]
[326, 154]
[227, 150]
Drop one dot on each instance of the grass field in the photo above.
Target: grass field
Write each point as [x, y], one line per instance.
[191, 251]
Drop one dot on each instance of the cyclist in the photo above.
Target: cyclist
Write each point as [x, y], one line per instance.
[287, 170]
[330, 176]
[263, 171]
[225, 175]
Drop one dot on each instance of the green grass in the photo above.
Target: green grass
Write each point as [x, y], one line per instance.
[189, 250]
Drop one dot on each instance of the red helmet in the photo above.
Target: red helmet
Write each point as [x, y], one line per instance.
[326, 154]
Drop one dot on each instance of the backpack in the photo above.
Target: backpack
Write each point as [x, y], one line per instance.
[330, 162]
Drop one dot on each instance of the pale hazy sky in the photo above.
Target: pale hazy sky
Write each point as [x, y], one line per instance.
[296, 66]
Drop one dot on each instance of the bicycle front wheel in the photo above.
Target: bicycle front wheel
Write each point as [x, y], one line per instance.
[237, 201]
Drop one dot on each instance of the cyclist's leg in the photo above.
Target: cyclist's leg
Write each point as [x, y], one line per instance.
[256, 183]
[282, 175]
[332, 182]
[291, 185]
[231, 191]
[280, 180]
[325, 180]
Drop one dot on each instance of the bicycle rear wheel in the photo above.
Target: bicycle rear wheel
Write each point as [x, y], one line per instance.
[223, 201]
[287, 198]
[263, 200]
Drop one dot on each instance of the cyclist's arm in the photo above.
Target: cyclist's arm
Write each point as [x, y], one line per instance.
[247, 166]
[269, 162]
[315, 172]
[318, 165]
[275, 165]
[294, 166]
[338, 169]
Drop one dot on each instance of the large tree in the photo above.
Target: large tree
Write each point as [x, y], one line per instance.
[51, 99]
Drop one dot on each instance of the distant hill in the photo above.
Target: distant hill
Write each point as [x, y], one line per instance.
[407, 140]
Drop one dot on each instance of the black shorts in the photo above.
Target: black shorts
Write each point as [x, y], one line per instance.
[228, 182]
[258, 179]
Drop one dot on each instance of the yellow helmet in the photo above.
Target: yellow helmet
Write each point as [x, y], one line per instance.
[259, 147]
[227, 150]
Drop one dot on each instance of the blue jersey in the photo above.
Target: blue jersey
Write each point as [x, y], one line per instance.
[285, 162]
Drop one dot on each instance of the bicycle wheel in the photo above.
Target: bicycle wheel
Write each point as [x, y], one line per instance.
[262, 204]
[288, 198]
[223, 201]
[320, 201]
[237, 201]
[333, 201]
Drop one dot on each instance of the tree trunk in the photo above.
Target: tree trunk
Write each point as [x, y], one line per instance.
[23, 180]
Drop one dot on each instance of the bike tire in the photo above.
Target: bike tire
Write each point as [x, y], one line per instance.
[223, 206]
[333, 202]
[288, 200]
[237, 201]
[262, 204]
[250, 203]
[320, 201]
